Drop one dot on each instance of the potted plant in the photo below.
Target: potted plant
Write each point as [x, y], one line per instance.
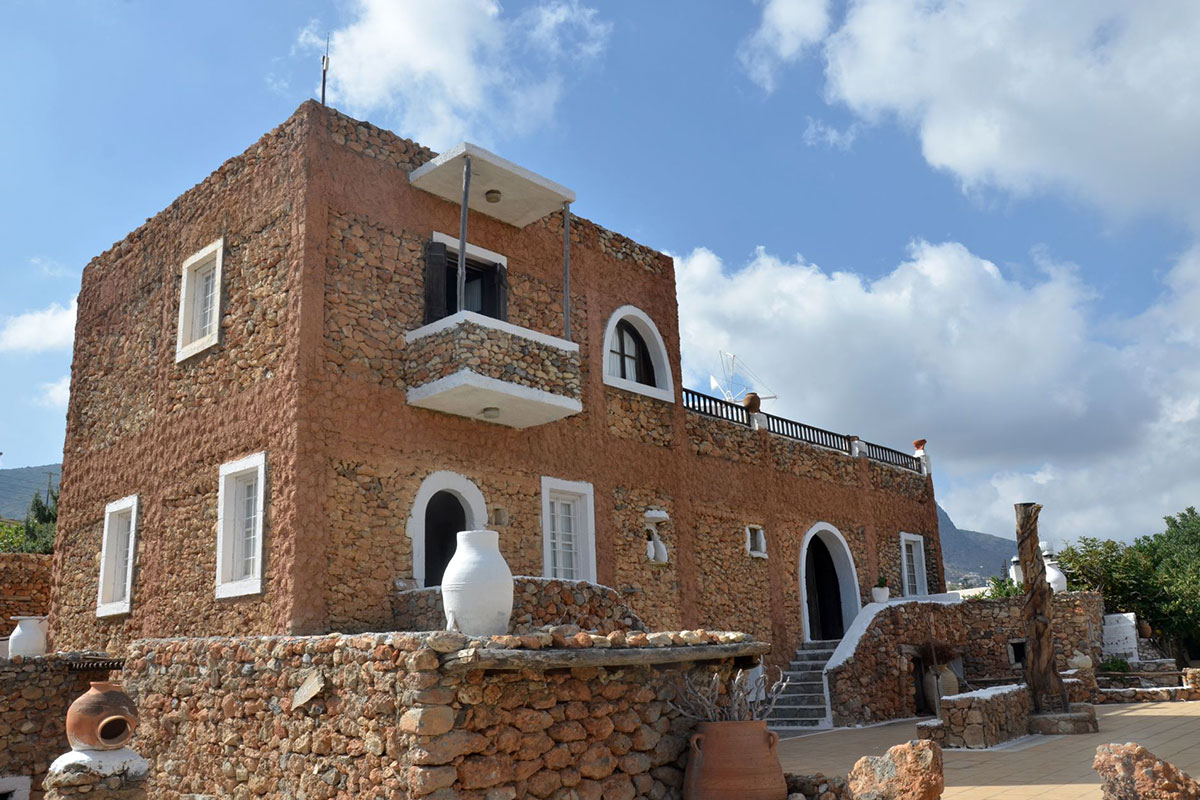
[732, 752]
[881, 592]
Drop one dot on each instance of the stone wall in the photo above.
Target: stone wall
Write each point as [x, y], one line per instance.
[982, 718]
[406, 715]
[1188, 690]
[640, 418]
[1077, 618]
[24, 587]
[493, 353]
[536, 602]
[877, 681]
[34, 695]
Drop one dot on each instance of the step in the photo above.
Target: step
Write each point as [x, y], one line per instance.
[791, 700]
[795, 712]
[796, 725]
[821, 644]
[804, 676]
[806, 666]
[805, 687]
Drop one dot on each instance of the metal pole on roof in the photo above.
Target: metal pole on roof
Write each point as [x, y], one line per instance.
[567, 271]
[462, 236]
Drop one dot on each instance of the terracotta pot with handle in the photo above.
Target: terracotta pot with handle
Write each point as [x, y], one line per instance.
[102, 718]
[734, 760]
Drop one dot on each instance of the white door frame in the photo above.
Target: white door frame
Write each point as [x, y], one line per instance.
[847, 574]
[442, 481]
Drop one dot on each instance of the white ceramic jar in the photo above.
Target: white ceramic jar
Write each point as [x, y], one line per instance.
[477, 586]
[29, 639]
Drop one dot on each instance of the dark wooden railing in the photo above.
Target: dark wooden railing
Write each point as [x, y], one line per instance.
[736, 413]
[715, 407]
[877, 452]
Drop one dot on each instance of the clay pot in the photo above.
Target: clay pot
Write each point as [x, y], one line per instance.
[752, 402]
[477, 586]
[1144, 630]
[918, 444]
[734, 760]
[102, 718]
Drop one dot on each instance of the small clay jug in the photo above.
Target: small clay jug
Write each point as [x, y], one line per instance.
[102, 718]
[734, 760]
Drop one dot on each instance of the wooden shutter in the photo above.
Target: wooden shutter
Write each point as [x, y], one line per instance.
[435, 282]
[502, 292]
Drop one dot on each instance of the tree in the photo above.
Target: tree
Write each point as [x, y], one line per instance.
[1157, 577]
[36, 533]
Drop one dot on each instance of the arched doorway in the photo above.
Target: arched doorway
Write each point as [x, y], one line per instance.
[824, 595]
[444, 518]
[445, 504]
[829, 594]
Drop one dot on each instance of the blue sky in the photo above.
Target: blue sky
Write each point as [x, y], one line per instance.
[975, 225]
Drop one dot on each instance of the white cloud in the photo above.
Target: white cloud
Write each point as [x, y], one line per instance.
[1100, 98]
[50, 328]
[49, 268]
[818, 132]
[788, 27]
[446, 71]
[55, 394]
[1022, 392]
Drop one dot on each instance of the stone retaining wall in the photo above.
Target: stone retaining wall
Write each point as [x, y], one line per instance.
[536, 602]
[1078, 619]
[1190, 690]
[979, 719]
[34, 695]
[24, 587]
[495, 354]
[414, 715]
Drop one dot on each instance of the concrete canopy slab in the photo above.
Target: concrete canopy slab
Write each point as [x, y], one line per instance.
[524, 195]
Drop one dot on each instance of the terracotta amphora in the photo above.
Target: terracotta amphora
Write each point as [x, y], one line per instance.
[102, 718]
[734, 760]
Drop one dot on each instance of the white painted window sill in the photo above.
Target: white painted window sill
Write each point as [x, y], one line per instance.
[242, 588]
[757, 554]
[655, 392]
[113, 609]
[195, 348]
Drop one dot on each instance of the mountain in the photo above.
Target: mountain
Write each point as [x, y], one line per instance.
[972, 557]
[18, 485]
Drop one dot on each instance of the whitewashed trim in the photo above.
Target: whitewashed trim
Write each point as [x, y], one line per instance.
[115, 608]
[186, 349]
[466, 377]
[228, 472]
[922, 575]
[750, 541]
[847, 575]
[474, 317]
[587, 550]
[664, 388]
[468, 495]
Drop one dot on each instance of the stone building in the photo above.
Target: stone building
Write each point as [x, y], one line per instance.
[280, 416]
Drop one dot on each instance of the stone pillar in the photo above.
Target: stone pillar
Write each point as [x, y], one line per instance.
[97, 775]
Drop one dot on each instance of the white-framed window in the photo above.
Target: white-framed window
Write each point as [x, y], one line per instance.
[635, 358]
[912, 564]
[240, 503]
[117, 551]
[200, 301]
[756, 541]
[568, 530]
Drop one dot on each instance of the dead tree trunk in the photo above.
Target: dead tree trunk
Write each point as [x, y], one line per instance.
[1041, 673]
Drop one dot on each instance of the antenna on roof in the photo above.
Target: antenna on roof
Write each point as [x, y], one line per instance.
[324, 68]
[733, 389]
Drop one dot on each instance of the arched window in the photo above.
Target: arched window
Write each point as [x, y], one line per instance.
[635, 358]
[629, 357]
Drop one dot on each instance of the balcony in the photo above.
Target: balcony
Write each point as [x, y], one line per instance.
[485, 369]
[736, 414]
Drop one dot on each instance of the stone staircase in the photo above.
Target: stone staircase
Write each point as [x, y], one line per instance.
[801, 707]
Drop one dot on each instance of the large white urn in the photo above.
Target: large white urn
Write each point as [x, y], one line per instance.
[29, 639]
[477, 586]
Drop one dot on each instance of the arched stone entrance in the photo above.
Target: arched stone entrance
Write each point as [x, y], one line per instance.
[445, 504]
[829, 594]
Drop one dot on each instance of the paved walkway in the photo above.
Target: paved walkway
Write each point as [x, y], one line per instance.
[1058, 767]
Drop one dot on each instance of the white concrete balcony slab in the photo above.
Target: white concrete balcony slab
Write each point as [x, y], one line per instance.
[474, 366]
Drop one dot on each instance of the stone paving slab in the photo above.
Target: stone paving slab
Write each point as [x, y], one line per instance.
[1058, 767]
